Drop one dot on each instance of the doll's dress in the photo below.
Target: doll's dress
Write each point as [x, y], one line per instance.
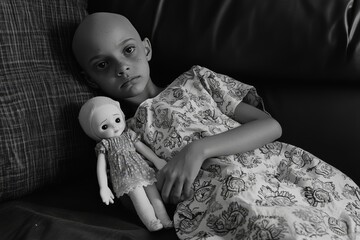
[128, 169]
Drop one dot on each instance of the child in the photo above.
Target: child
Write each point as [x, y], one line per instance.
[102, 119]
[230, 180]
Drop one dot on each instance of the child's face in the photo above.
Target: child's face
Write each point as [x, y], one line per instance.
[108, 122]
[111, 53]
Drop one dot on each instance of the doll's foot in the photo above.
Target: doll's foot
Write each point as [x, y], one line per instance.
[168, 224]
[155, 225]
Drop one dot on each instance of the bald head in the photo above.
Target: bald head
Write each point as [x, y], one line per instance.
[95, 31]
[113, 56]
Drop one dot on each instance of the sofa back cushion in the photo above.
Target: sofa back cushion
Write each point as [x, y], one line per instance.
[40, 96]
[277, 40]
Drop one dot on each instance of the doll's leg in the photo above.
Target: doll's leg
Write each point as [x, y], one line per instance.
[144, 209]
[158, 205]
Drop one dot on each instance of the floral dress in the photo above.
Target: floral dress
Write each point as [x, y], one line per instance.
[277, 191]
[128, 169]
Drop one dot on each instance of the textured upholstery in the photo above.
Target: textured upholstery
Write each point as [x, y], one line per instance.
[40, 95]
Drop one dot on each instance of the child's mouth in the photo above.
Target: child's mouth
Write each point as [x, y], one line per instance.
[128, 81]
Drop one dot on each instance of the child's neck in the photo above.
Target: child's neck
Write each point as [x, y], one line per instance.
[134, 103]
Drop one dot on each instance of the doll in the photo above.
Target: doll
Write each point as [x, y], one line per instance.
[102, 119]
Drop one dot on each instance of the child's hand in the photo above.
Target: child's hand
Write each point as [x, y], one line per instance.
[106, 195]
[175, 179]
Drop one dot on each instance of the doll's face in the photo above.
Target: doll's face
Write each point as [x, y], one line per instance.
[108, 122]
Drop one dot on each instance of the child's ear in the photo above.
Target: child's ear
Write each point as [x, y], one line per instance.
[88, 80]
[148, 49]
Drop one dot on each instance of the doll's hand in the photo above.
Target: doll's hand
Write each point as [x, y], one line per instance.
[106, 195]
[160, 163]
[175, 179]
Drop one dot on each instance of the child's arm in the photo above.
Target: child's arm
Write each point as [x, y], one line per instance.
[257, 129]
[149, 154]
[105, 192]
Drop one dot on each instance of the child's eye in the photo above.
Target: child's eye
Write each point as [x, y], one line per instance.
[104, 127]
[102, 65]
[129, 50]
[117, 120]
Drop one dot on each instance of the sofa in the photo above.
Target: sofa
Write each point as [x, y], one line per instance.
[302, 56]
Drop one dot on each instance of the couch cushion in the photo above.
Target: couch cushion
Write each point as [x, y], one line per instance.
[40, 95]
[279, 40]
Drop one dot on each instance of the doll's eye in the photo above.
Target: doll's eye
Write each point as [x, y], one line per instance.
[104, 127]
[117, 120]
[102, 65]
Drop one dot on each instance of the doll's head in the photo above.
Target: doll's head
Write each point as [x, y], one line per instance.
[102, 117]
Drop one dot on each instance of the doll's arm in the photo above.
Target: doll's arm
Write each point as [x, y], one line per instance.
[149, 154]
[105, 192]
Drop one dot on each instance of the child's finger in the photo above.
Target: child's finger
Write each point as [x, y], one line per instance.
[176, 191]
[187, 192]
[166, 189]
[159, 181]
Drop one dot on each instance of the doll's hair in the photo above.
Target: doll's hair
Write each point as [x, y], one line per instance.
[87, 112]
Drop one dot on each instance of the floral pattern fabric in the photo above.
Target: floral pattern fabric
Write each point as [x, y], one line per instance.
[278, 191]
[128, 169]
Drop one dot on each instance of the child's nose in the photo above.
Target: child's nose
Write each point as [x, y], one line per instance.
[123, 70]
